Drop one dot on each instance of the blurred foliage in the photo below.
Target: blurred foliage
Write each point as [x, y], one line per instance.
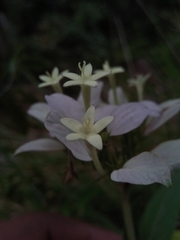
[37, 35]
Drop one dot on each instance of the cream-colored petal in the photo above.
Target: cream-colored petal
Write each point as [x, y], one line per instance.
[95, 140]
[45, 84]
[99, 75]
[90, 83]
[88, 70]
[72, 124]
[73, 136]
[102, 123]
[44, 78]
[73, 83]
[72, 76]
[55, 72]
[117, 70]
[90, 114]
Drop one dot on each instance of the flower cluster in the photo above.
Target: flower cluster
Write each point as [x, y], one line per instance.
[79, 125]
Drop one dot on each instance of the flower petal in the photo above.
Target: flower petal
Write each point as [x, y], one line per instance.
[78, 148]
[90, 114]
[67, 105]
[117, 70]
[95, 140]
[71, 123]
[39, 111]
[88, 70]
[73, 136]
[153, 107]
[73, 83]
[45, 78]
[99, 75]
[44, 144]
[55, 72]
[146, 168]
[127, 117]
[90, 83]
[72, 76]
[169, 109]
[102, 123]
[170, 152]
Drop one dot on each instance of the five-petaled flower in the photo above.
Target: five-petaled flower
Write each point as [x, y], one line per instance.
[51, 79]
[85, 78]
[87, 130]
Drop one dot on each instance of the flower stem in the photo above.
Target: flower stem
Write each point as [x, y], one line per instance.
[112, 83]
[86, 91]
[57, 88]
[127, 214]
[97, 164]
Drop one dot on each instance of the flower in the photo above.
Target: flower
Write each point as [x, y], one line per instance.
[139, 82]
[88, 130]
[51, 79]
[110, 70]
[86, 77]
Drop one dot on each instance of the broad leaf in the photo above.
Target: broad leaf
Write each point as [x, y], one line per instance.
[146, 168]
[160, 216]
[44, 144]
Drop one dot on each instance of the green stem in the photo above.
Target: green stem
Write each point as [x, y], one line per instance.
[112, 83]
[97, 164]
[127, 214]
[57, 88]
[86, 93]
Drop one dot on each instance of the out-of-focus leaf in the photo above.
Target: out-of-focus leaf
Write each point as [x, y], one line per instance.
[145, 168]
[170, 152]
[44, 144]
[160, 216]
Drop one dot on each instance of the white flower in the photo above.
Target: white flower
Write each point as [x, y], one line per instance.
[51, 79]
[86, 77]
[112, 70]
[139, 82]
[88, 130]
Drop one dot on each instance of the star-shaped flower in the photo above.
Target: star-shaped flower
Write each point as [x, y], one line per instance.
[139, 82]
[51, 79]
[85, 78]
[87, 130]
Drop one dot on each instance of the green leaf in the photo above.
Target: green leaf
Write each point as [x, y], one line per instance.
[160, 216]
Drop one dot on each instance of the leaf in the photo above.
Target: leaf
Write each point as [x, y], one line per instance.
[146, 168]
[44, 144]
[160, 216]
[169, 151]
[39, 111]
[169, 109]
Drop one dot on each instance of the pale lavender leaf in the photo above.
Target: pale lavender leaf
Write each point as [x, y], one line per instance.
[44, 144]
[170, 152]
[146, 168]
[128, 116]
[169, 109]
[154, 108]
[39, 111]
[53, 124]
[71, 107]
